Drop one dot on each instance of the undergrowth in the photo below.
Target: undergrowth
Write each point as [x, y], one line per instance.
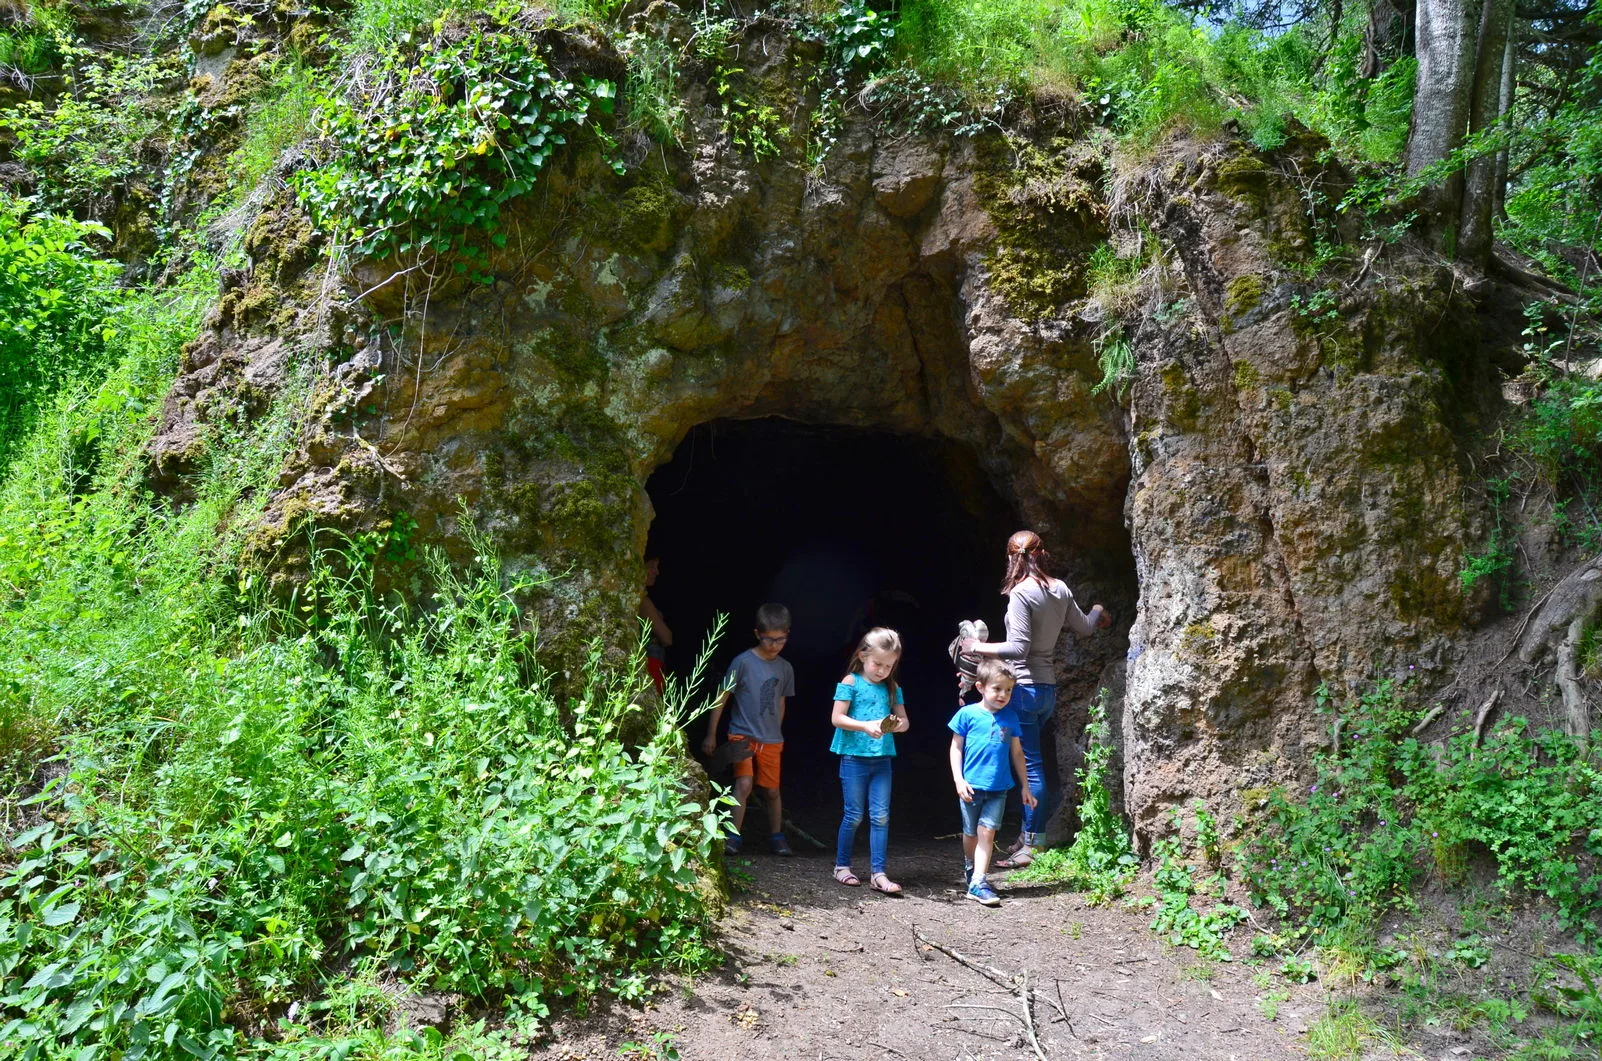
[260, 817]
[1099, 862]
[1387, 809]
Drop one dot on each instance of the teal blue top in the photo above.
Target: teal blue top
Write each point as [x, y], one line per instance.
[869, 702]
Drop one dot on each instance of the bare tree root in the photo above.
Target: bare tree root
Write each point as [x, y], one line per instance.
[1558, 627]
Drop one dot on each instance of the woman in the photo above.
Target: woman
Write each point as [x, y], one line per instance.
[1037, 608]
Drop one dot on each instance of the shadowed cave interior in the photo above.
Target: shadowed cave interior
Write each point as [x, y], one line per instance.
[850, 528]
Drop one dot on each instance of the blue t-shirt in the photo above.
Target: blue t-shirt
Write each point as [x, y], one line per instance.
[986, 745]
[869, 702]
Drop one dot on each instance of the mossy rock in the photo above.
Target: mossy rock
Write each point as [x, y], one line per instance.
[1049, 218]
[1183, 403]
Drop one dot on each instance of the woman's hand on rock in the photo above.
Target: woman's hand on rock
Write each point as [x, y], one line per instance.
[1105, 619]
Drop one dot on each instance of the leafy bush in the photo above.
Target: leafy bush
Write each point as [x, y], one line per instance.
[56, 297]
[1384, 810]
[92, 139]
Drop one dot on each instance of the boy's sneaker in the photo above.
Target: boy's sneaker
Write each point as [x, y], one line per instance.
[779, 845]
[982, 893]
[731, 845]
[967, 874]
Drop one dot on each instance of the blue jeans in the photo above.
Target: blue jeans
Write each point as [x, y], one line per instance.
[865, 783]
[1035, 705]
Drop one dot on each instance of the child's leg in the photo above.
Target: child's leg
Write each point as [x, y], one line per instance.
[982, 850]
[968, 845]
[854, 791]
[775, 811]
[879, 812]
[742, 795]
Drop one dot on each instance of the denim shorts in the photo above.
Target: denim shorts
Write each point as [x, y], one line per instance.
[986, 810]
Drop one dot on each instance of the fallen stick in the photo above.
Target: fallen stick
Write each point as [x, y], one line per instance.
[803, 834]
[989, 972]
[1028, 1014]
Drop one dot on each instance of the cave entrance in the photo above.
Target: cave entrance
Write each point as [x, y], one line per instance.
[850, 528]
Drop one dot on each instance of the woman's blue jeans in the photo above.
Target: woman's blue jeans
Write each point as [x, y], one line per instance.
[1035, 705]
[865, 783]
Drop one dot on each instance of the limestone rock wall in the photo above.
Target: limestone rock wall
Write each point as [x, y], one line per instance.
[1272, 505]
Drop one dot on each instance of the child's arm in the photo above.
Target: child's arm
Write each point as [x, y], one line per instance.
[709, 743]
[1022, 772]
[659, 626]
[964, 790]
[841, 716]
[900, 711]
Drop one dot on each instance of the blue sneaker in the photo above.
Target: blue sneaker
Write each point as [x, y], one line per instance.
[779, 845]
[731, 845]
[967, 874]
[982, 893]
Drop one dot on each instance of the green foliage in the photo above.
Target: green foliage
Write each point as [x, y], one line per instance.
[1115, 356]
[442, 131]
[262, 803]
[279, 118]
[751, 123]
[90, 140]
[1099, 862]
[651, 93]
[1176, 919]
[35, 43]
[1385, 811]
[57, 297]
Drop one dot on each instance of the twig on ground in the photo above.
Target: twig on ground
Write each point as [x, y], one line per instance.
[882, 1046]
[1062, 1007]
[1518, 635]
[1028, 1014]
[803, 834]
[989, 972]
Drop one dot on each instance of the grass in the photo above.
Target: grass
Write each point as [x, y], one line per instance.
[280, 118]
[1344, 1033]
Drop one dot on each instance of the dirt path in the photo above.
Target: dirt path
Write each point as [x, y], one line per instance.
[819, 971]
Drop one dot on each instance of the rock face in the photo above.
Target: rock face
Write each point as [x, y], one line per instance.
[1276, 502]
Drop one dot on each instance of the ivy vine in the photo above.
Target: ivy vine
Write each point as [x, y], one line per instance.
[426, 148]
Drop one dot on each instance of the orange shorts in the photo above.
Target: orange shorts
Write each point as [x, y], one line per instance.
[764, 763]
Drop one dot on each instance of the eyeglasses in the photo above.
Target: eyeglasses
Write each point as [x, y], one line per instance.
[766, 640]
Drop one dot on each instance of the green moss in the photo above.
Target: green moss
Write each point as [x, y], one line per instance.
[733, 277]
[1282, 399]
[1243, 294]
[1048, 217]
[1243, 177]
[1245, 374]
[1184, 405]
[641, 219]
[1197, 638]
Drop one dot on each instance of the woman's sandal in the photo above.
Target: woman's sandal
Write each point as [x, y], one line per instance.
[882, 883]
[844, 875]
[1017, 859]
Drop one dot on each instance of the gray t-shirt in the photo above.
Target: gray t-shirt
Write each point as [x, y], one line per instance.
[1036, 615]
[758, 684]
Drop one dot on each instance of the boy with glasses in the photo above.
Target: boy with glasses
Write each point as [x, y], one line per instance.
[759, 681]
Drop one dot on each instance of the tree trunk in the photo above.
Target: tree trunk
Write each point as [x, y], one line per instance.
[1479, 179]
[1504, 108]
[1441, 103]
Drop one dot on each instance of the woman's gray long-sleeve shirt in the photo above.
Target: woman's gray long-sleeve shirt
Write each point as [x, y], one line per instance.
[1036, 615]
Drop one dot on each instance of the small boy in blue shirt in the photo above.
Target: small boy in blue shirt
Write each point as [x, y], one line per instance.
[986, 755]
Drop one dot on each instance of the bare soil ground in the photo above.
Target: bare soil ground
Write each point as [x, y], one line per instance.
[822, 971]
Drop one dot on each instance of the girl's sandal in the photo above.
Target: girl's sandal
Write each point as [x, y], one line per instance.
[844, 875]
[881, 883]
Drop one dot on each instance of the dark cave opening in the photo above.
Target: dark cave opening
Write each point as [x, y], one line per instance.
[849, 528]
